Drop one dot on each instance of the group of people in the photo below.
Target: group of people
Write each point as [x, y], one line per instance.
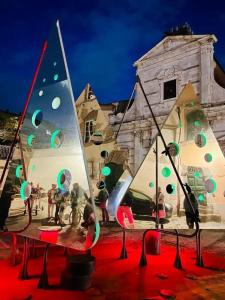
[58, 200]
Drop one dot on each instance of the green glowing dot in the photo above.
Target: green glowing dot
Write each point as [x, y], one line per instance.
[44, 80]
[208, 157]
[197, 174]
[201, 197]
[56, 76]
[166, 172]
[30, 139]
[197, 123]
[55, 63]
[106, 171]
[18, 170]
[151, 184]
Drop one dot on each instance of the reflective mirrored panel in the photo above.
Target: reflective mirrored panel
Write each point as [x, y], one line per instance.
[200, 164]
[106, 161]
[56, 181]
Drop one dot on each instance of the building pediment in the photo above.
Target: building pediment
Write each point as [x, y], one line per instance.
[172, 43]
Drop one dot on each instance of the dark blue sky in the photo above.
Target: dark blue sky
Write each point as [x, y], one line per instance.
[102, 39]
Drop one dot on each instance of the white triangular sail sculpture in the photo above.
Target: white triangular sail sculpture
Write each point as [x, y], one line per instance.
[199, 161]
[53, 156]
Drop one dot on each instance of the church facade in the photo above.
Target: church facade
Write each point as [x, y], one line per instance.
[164, 71]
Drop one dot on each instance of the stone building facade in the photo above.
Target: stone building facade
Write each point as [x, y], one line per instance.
[164, 71]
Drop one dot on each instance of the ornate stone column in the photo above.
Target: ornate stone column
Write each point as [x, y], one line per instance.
[206, 70]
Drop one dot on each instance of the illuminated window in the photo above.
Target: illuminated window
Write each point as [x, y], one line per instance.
[169, 89]
[89, 130]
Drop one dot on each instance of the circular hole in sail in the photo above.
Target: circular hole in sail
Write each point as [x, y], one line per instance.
[64, 179]
[210, 185]
[56, 139]
[37, 118]
[208, 157]
[101, 185]
[173, 149]
[170, 188]
[200, 140]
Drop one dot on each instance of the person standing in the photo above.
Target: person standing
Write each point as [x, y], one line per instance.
[161, 205]
[191, 216]
[103, 197]
[51, 201]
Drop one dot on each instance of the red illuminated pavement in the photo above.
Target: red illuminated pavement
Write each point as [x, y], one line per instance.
[124, 279]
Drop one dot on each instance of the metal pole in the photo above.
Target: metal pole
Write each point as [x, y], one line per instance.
[177, 262]
[123, 253]
[166, 149]
[23, 272]
[24, 112]
[199, 260]
[43, 281]
[157, 183]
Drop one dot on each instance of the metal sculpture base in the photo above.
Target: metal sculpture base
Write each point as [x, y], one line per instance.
[177, 263]
[43, 281]
[123, 254]
[199, 260]
[24, 273]
[33, 249]
[15, 257]
[143, 259]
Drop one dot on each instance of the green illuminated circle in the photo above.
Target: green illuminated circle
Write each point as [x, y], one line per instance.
[44, 80]
[25, 190]
[106, 171]
[197, 174]
[30, 140]
[56, 76]
[201, 197]
[151, 184]
[197, 123]
[56, 102]
[37, 118]
[200, 140]
[18, 170]
[55, 140]
[208, 157]
[210, 185]
[64, 179]
[166, 172]
[41, 93]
